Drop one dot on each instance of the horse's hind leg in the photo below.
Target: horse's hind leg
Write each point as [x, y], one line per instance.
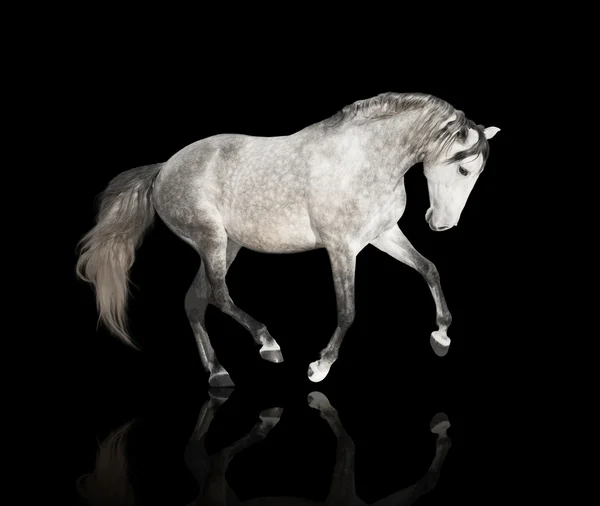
[195, 455]
[213, 245]
[196, 303]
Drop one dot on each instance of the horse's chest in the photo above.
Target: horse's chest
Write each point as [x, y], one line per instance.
[382, 217]
[398, 204]
[365, 216]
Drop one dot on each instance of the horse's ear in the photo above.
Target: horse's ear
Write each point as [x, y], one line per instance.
[489, 132]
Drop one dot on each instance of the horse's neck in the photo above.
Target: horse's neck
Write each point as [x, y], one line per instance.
[393, 142]
[393, 137]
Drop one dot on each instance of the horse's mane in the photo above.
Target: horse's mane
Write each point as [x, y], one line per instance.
[435, 110]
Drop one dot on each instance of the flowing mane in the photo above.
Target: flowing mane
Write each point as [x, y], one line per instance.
[435, 110]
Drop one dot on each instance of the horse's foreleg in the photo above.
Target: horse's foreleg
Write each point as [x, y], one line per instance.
[428, 482]
[214, 243]
[196, 302]
[343, 266]
[394, 243]
[343, 489]
[217, 491]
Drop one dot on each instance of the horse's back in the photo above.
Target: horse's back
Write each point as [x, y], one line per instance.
[203, 161]
[196, 175]
[222, 163]
[256, 186]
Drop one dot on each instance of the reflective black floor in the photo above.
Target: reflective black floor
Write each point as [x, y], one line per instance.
[389, 422]
[385, 445]
[285, 456]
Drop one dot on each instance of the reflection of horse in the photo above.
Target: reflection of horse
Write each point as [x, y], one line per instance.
[337, 184]
[216, 492]
[108, 484]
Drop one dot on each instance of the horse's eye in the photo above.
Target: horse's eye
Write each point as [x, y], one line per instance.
[463, 171]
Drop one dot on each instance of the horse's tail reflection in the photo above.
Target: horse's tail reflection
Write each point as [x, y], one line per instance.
[109, 483]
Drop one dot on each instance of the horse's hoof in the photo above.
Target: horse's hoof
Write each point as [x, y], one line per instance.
[221, 380]
[271, 416]
[219, 394]
[317, 400]
[274, 356]
[268, 419]
[439, 424]
[315, 374]
[440, 343]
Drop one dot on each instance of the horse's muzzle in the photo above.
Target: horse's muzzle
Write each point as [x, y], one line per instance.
[439, 229]
[431, 225]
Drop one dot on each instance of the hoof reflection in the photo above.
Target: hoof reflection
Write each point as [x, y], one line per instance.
[109, 484]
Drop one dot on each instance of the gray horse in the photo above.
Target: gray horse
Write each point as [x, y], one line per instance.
[337, 184]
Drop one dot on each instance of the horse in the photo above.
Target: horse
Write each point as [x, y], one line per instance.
[109, 482]
[337, 184]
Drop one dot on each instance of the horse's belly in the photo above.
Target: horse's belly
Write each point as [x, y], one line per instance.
[273, 234]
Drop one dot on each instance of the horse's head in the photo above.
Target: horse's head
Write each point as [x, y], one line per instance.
[452, 171]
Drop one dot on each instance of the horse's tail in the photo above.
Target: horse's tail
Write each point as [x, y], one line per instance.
[109, 482]
[107, 251]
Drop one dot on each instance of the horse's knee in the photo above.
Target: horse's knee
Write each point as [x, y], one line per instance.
[430, 272]
[220, 298]
[346, 319]
[195, 304]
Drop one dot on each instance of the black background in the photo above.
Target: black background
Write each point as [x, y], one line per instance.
[387, 382]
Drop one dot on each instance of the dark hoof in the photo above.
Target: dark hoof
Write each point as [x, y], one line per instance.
[270, 414]
[274, 356]
[221, 380]
[439, 424]
[439, 350]
[318, 400]
[268, 419]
